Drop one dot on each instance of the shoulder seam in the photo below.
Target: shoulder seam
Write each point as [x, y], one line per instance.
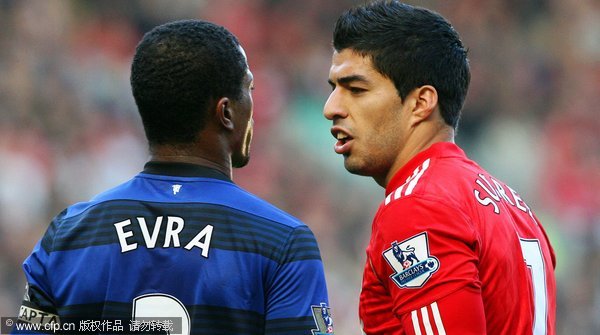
[411, 182]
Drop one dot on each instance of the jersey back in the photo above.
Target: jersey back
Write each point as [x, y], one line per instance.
[447, 225]
[196, 248]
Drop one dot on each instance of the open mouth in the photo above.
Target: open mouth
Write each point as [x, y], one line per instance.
[342, 146]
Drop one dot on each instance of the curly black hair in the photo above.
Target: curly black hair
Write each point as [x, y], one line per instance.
[179, 71]
[412, 46]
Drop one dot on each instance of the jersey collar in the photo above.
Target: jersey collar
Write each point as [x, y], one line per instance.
[436, 150]
[183, 170]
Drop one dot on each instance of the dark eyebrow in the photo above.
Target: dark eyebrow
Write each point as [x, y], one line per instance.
[349, 79]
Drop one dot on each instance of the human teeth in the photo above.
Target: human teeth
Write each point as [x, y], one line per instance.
[341, 136]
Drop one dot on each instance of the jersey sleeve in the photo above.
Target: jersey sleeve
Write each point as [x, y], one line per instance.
[424, 251]
[460, 312]
[297, 301]
[38, 307]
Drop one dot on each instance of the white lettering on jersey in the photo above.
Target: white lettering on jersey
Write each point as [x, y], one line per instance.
[174, 227]
[172, 233]
[150, 240]
[205, 234]
[123, 236]
[36, 316]
[492, 193]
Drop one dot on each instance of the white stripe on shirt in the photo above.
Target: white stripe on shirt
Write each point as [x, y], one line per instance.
[426, 322]
[438, 319]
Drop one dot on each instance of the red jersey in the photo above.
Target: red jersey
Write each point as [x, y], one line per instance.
[455, 251]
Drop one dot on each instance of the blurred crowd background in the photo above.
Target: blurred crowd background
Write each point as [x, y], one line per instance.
[69, 126]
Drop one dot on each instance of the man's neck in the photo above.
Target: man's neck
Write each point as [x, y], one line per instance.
[416, 144]
[170, 154]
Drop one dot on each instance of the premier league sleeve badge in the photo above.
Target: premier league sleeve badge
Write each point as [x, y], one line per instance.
[323, 319]
[411, 261]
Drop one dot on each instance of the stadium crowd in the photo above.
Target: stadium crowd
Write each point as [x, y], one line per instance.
[69, 126]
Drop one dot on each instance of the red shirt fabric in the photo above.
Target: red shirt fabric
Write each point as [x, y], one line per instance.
[455, 251]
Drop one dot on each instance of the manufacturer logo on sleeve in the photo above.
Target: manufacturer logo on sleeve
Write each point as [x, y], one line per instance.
[411, 261]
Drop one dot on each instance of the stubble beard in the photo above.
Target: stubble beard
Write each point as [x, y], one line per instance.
[366, 167]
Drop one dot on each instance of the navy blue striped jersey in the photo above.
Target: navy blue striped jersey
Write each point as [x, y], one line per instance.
[181, 241]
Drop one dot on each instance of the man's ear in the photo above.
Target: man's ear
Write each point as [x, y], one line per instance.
[425, 103]
[224, 113]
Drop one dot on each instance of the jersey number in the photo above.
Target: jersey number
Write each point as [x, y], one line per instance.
[158, 307]
[535, 261]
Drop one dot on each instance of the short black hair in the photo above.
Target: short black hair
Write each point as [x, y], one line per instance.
[180, 69]
[412, 46]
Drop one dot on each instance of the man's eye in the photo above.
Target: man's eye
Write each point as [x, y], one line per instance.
[356, 89]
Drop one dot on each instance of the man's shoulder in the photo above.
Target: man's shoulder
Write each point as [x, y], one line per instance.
[254, 204]
[138, 218]
[187, 194]
[443, 179]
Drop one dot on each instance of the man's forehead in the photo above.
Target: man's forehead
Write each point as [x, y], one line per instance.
[349, 67]
[350, 63]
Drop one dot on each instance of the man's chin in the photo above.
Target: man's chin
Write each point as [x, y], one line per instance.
[356, 169]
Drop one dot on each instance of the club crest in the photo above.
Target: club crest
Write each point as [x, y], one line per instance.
[411, 261]
[323, 319]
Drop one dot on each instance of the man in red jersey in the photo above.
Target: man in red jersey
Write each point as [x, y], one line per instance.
[453, 250]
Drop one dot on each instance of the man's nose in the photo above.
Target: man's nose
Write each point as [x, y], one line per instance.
[333, 107]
